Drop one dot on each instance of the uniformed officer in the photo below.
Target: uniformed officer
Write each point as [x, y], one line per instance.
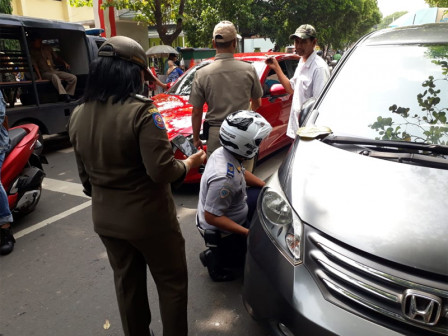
[224, 204]
[126, 164]
[226, 85]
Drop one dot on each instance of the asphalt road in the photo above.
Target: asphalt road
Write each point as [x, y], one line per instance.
[58, 280]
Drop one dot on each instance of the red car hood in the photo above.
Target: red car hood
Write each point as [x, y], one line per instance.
[176, 113]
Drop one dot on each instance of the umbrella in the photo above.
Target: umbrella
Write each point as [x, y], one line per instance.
[161, 51]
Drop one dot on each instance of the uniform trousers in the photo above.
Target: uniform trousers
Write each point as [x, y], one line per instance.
[165, 257]
[56, 77]
[232, 247]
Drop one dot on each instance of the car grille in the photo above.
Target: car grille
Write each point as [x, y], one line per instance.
[387, 294]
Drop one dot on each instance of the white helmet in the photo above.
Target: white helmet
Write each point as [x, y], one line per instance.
[242, 132]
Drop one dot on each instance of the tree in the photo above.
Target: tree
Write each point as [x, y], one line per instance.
[5, 7]
[385, 22]
[437, 3]
[338, 22]
[430, 114]
[202, 15]
[158, 13]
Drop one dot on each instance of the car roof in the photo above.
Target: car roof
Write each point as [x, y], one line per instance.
[433, 33]
[261, 57]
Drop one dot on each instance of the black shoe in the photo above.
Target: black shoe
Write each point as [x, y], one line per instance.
[6, 241]
[216, 273]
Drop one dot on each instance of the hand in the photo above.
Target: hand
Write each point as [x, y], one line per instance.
[198, 143]
[272, 62]
[67, 66]
[196, 160]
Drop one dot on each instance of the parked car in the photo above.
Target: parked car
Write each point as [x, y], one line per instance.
[350, 236]
[276, 104]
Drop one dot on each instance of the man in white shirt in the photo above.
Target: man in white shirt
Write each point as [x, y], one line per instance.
[309, 78]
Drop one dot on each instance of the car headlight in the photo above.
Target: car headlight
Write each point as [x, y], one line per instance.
[281, 223]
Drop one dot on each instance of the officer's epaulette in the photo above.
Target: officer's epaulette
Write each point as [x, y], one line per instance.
[230, 170]
[141, 98]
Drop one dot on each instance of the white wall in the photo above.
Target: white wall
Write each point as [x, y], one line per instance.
[263, 44]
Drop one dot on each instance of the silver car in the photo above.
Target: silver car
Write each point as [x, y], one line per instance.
[351, 234]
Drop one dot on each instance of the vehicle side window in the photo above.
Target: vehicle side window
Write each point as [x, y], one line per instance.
[272, 78]
[291, 66]
[12, 65]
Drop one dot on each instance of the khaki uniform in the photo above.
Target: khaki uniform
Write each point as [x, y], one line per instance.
[226, 85]
[126, 161]
[43, 60]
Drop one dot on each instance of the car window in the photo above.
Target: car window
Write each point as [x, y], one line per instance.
[291, 65]
[259, 67]
[390, 93]
[182, 87]
[272, 78]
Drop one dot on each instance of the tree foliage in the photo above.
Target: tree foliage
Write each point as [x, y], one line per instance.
[338, 22]
[385, 22]
[437, 3]
[158, 13]
[202, 15]
[5, 7]
[431, 113]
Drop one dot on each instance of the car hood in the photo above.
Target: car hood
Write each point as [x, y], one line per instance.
[176, 112]
[394, 211]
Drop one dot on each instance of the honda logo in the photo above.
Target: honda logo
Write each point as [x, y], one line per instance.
[421, 307]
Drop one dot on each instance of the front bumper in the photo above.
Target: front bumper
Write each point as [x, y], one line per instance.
[289, 298]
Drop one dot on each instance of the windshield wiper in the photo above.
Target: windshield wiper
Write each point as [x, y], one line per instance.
[423, 160]
[336, 139]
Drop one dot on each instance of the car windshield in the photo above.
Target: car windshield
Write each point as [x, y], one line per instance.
[390, 93]
[259, 68]
[183, 86]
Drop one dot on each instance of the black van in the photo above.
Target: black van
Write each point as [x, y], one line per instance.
[30, 100]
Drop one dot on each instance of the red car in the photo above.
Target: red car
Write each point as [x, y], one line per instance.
[276, 104]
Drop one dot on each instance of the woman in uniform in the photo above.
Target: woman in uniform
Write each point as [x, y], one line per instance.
[126, 164]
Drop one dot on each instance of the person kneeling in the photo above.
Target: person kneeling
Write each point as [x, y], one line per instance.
[225, 206]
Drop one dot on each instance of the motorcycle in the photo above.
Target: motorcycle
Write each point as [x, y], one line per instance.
[22, 172]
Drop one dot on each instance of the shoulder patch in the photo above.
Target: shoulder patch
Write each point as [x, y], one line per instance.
[158, 120]
[224, 192]
[230, 170]
[152, 110]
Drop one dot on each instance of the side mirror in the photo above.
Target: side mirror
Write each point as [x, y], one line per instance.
[277, 90]
[169, 85]
[307, 107]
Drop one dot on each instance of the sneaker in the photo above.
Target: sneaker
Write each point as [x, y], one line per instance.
[6, 241]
